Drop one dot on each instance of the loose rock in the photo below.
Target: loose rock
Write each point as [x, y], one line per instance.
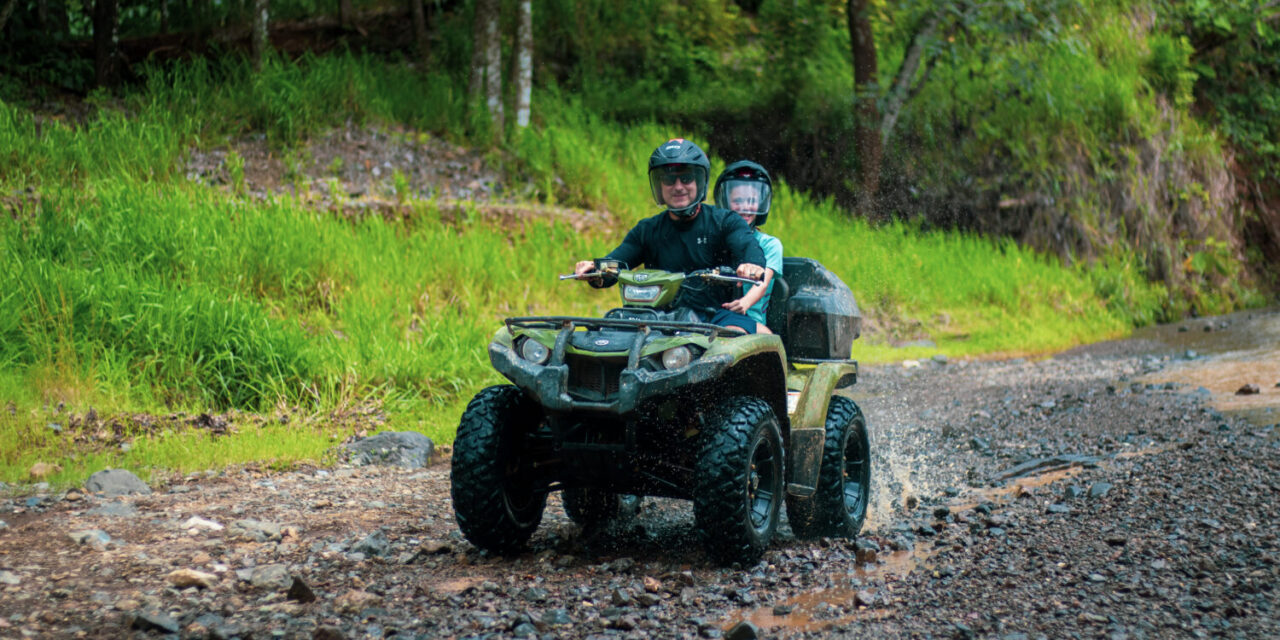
[116, 482]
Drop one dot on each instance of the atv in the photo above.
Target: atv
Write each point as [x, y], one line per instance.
[649, 401]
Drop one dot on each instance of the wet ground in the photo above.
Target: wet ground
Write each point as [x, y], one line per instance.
[1097, 493]
[1225, 355]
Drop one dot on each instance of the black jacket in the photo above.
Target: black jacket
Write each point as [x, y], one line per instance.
[715, 237]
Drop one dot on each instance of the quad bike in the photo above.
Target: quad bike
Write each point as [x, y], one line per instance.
[649, 401]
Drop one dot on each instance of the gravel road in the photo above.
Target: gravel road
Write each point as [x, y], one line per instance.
[1076, 496]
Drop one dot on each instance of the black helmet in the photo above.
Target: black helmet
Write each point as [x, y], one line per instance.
[745, 183]
[679, 158]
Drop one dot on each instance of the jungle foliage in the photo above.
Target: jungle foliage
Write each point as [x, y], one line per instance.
[1053, 172]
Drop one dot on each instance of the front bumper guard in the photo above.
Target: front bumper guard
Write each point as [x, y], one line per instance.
[549, 383]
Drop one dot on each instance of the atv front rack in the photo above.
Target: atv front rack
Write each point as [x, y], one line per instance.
[661, 326]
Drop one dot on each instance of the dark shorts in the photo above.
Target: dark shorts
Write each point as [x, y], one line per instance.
[727, 318]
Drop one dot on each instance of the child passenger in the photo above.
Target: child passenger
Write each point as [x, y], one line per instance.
[745, 188]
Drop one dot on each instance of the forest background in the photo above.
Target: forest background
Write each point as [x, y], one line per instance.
[1002, 177]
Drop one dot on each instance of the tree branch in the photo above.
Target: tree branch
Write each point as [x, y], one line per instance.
[906, 72]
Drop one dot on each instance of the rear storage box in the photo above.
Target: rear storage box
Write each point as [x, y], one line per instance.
[822, 317]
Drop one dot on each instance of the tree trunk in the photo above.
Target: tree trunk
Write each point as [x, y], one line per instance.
[345, 12]
[6, 12]
[258, 37]
[493, 68]
[479, 45]
[524, 63]
[420, 30]
[866, 113]
[105, 37]
[164, 16]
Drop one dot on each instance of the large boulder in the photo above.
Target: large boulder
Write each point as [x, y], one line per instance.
[116, 482]
[408, 449]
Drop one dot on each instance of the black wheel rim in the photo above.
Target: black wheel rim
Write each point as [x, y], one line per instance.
[521, 492]
[762, 484]
[854, 478]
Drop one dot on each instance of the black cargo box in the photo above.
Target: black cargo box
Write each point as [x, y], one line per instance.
[814, 311]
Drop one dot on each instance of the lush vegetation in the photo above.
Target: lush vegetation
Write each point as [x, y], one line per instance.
[130, 288]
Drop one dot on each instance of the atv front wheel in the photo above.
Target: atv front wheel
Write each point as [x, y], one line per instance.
[497, 497]
[739, 488]
[839, 505]
[593, 508]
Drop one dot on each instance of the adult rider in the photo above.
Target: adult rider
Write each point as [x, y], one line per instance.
[689, 235]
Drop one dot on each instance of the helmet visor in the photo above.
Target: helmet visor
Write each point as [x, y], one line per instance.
[744, 196]
[678, 185]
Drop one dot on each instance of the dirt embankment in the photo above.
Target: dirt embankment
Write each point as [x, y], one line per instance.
[1012, 499]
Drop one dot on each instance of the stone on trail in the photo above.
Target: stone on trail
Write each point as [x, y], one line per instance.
[375, 544]
[115, 509]
[154, 621]
[744, 630]
[301, 591]
[1099, 489]
[92, 537]
[270, 576]
[116, 482]
[200, 524]
[328, 632]
[355, 601]
[255, 530]
[1248, 390]
[10, 578]
[183, 578]
[408, 449]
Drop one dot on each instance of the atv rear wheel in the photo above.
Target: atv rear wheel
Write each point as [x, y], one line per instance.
[839, 505]
[498, 498]
[739, 488]
[593, 508]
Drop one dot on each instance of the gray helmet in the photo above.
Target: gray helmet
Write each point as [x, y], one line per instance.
[679, 159]
[743, 185]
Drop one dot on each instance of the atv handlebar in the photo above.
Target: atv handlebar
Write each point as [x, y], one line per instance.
[718, 274]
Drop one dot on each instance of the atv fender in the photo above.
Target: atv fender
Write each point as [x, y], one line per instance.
[808, 424]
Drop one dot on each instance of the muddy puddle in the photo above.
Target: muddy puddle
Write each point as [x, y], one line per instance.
[824, 608]
[1223, 355]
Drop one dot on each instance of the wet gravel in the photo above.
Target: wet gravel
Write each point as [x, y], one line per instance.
[1013, 499]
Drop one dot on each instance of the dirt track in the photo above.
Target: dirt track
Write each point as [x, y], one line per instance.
[1140, 512]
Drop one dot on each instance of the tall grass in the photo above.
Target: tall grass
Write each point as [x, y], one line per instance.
[128, 287]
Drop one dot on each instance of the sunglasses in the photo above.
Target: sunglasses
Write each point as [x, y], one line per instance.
[684, 178]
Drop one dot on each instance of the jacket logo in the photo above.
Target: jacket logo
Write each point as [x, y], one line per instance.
[702, 240]
[601, 342]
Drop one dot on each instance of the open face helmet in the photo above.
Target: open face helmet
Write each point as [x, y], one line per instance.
[745, 187]
[679, 160]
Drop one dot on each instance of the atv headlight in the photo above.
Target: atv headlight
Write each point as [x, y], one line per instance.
[676, 357]
[534, 351]
[633, 293]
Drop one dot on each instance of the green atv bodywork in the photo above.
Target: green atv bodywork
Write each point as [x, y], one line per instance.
[649, 401]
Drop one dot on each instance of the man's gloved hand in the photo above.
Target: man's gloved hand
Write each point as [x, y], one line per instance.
[748, 270]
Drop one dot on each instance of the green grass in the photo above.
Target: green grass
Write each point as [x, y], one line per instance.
[127, 288]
